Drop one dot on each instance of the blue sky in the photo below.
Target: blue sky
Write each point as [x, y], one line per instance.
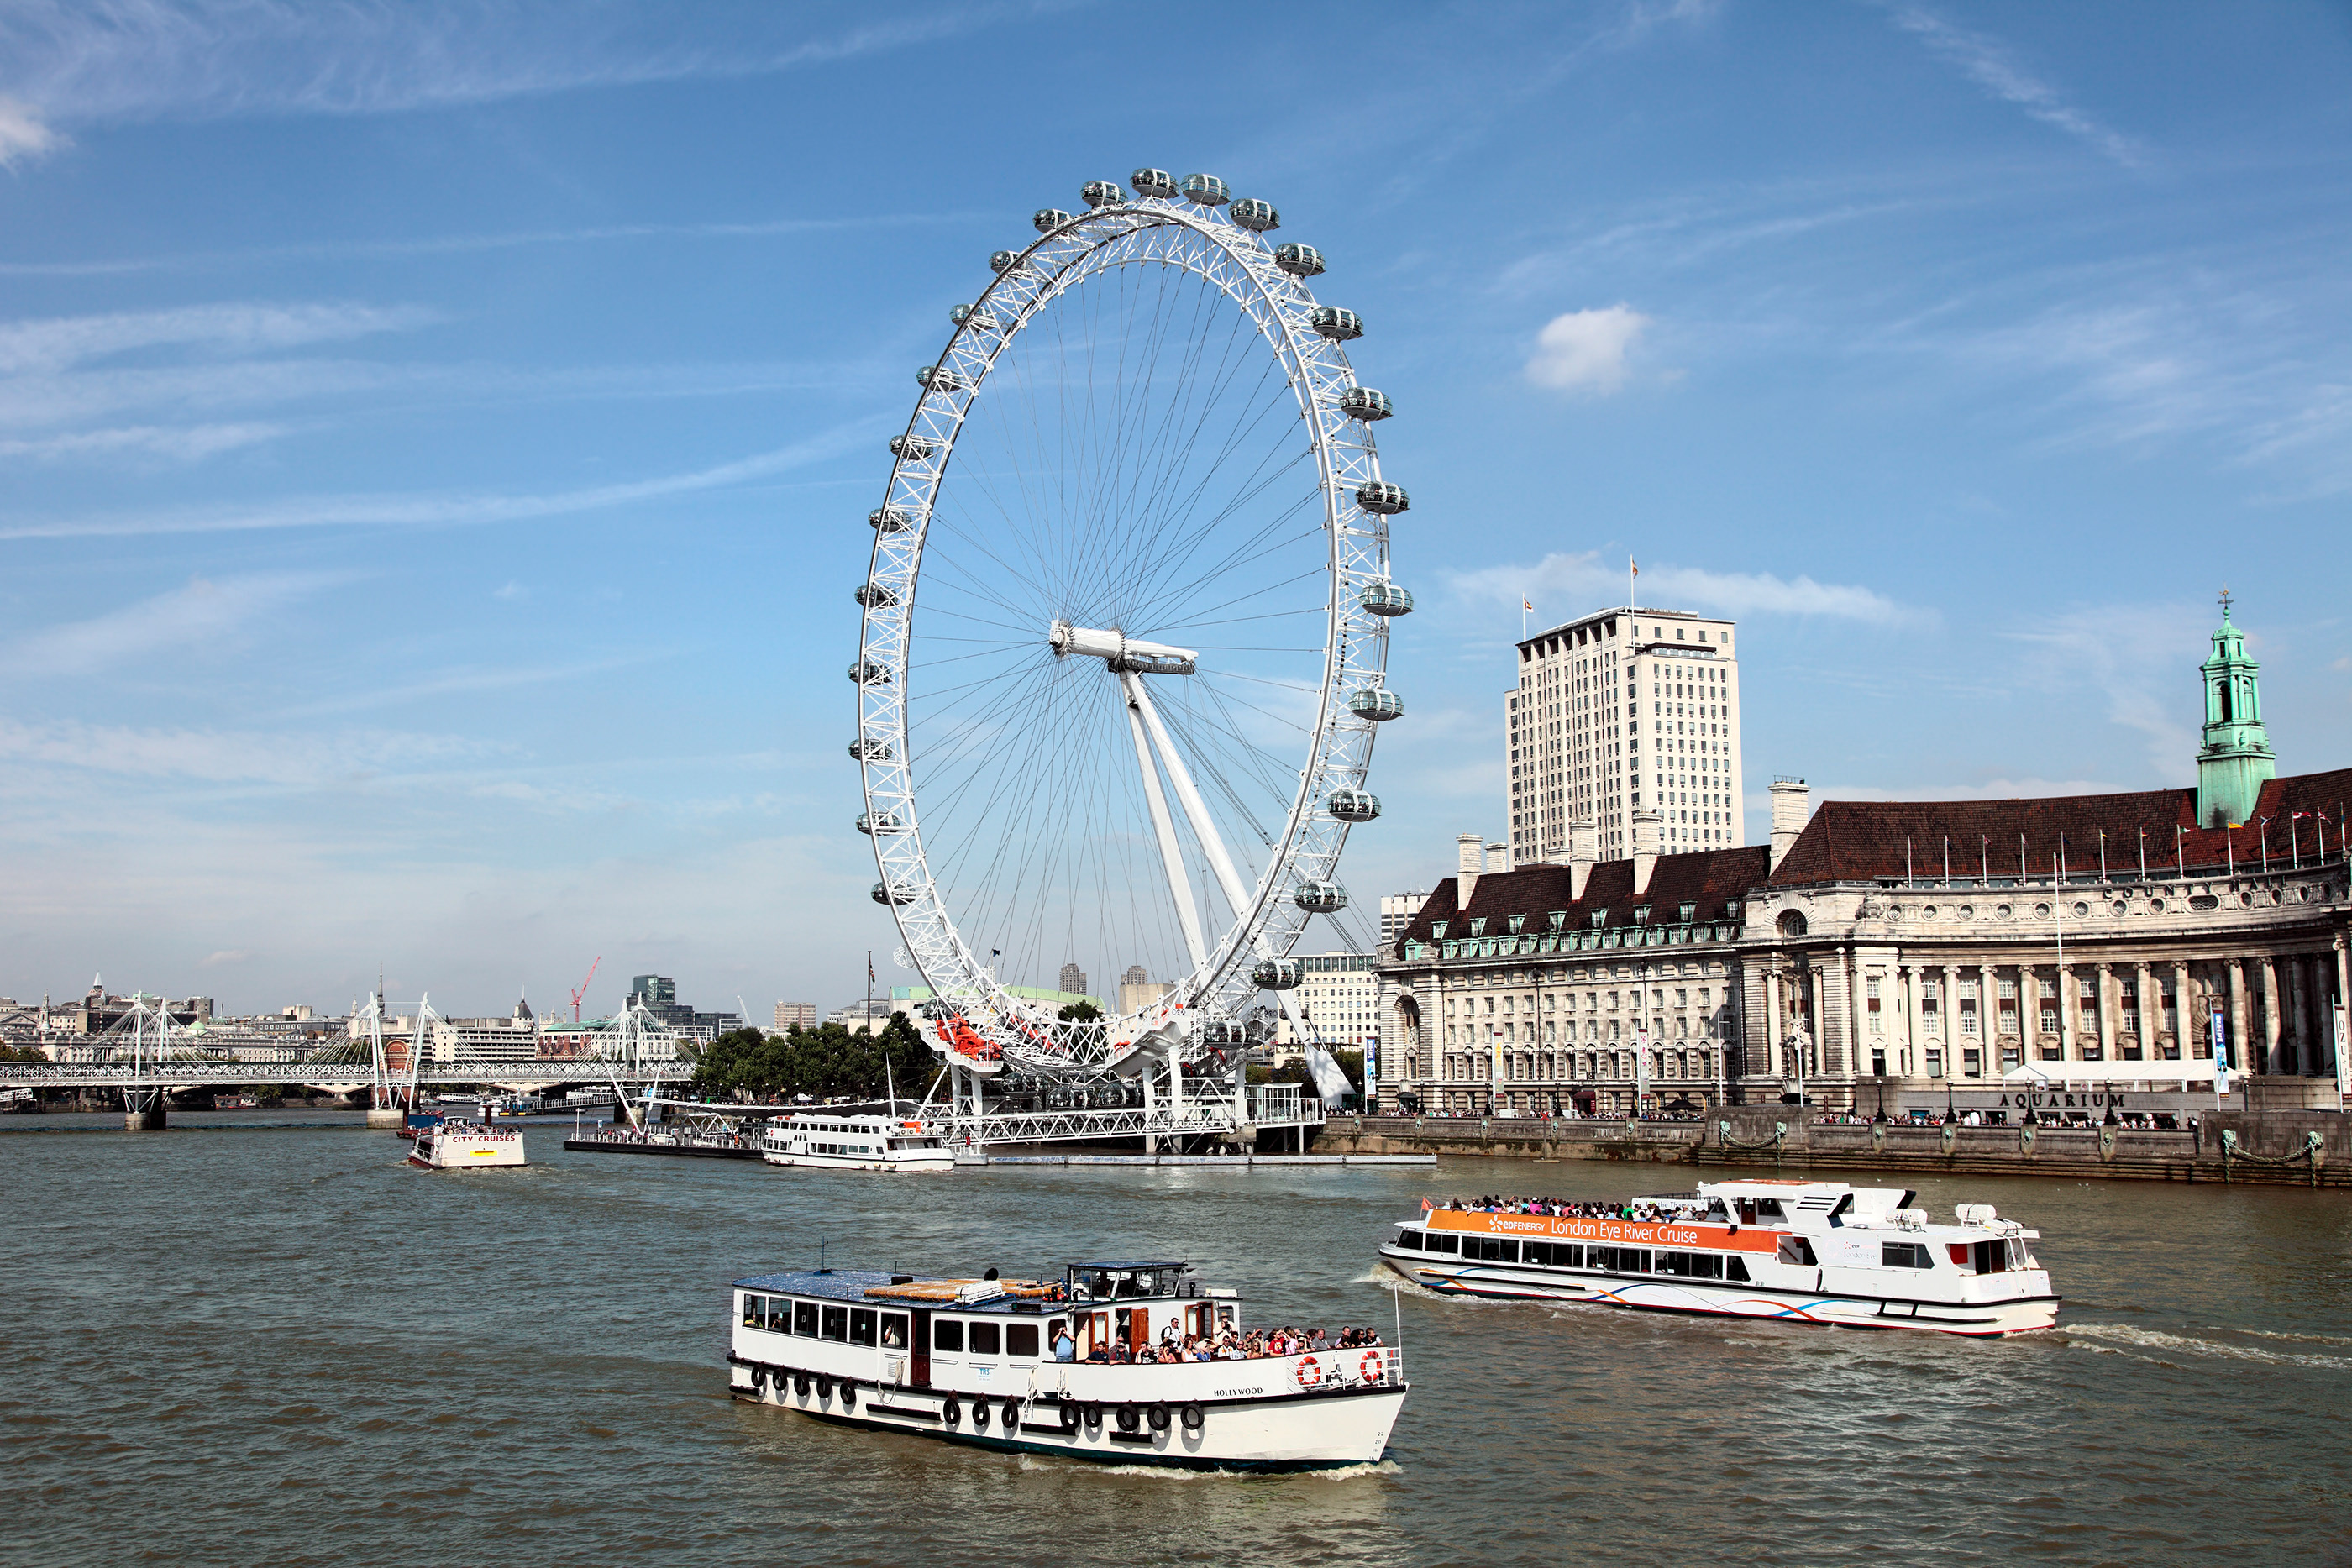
[434, 439]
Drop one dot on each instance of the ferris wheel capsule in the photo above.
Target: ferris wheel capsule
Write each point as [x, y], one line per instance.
[1353, 805]
[885, 894]
[1253, 214]
[874, 596]
[939, 378]
[1004, 261]
[1099, 194]
[1206, 190]
[1385, 599]
[867, 673]
[1298, 260]
[913, 448]
[1157, 182]
[869, 750]
[973, 317]
[1277, 975]
[1383, 497]
[1376, 704]
[1364, 403]
[891, 519]
[1339, 326]
[873, 823]
[1045, 220]
[1319, 897]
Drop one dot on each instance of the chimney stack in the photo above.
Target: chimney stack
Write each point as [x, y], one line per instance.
[1646, 847]
[1498, 857]
[1584, 849]
[1792, 804]
[1471, 860]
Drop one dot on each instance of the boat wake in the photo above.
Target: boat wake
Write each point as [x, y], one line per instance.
[2124, 1337]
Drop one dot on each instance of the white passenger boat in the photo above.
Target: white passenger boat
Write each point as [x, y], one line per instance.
[972, 1361]
[854, 1144]
[463, 1145]
[1815, 1252]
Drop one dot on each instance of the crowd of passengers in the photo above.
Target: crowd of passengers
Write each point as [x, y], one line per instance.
[1176, 1346]
[1553, 1206]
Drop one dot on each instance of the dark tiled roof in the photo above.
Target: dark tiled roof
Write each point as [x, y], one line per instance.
[1707, 878]
[1859, 840]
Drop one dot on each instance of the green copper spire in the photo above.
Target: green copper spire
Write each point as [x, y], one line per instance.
[2235, 761]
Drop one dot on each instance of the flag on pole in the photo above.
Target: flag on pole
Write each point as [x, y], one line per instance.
[1529, 605]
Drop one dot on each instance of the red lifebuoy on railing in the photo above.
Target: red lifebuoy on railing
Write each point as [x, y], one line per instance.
[1372, 1367]
[1309, 1373]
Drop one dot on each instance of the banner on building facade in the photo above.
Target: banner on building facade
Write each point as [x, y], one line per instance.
[2220, 1051]
[2342, 1068]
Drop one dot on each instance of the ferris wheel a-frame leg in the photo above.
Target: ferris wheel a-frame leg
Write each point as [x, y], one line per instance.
[1180, 884]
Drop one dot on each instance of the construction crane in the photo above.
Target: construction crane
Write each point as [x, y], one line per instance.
[581, 989]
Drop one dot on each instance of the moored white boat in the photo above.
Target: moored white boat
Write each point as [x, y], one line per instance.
[854, 1144]
[464, 1146]
[972, 1361]
[1797, 1251]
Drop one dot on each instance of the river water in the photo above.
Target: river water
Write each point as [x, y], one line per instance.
[245, 1343]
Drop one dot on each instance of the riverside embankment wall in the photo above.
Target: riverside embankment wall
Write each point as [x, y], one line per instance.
[2269, 1146]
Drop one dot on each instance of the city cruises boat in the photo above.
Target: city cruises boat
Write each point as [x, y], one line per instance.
[852, 1144]
[972, 1361]
[1800, 1251]
[444, 1146]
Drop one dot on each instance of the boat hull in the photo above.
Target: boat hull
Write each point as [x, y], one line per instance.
[929, 1162]
[1307, 1431]
[1490, 1282]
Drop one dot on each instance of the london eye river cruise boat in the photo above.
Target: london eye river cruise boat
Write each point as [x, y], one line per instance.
[980, 1361]
[1816, 1252]
[852, 1144]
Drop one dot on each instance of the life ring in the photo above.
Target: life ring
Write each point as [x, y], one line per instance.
[1372, 1368]
[980, 1414]
[1012, 1415]
[823, 1387]
[1158, 1417]
[1069, 1416]
[1193, 1417]
[1310, 1372]
[800, 1384]
[1130, 1418]
[950, 1411]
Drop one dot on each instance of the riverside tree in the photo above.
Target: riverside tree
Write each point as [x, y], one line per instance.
[826, 1061]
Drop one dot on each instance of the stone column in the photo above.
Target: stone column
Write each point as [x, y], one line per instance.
[2182, 1023]
[2270, 1015]
[2145, 1032]
[1948, 1019]
[2069, 1049]
[2238, 1042]
[1989, 1021]
[2111, 1041]
[1915, 1038]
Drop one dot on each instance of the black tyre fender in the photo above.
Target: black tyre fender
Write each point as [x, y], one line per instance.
[800, 1384]
[1158, 1417]
[1069, 1416]
[823, 1387]
[1129, 1417]
[1012, 1414]
[1194, 1418]
[1094, 1417]
[980, 1414]
[950, 1411]
[848, 1395]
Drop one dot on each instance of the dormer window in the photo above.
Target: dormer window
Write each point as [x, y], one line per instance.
[1689, 910]
[1641, 915]
[1518, 923]
[1478, 927]
[1556, 919]
[1600, 918]
[1732, 909]
[1437, 928]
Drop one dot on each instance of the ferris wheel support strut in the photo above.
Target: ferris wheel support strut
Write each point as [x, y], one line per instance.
[1179, 882]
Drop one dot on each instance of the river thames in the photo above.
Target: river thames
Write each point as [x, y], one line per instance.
[284, 1345]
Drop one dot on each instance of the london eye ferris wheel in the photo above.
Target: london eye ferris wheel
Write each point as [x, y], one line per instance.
[1125, 626]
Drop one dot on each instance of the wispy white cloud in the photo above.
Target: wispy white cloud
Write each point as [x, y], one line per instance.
[448, 682]
[204, 614]
[448, 511]
[2137, 658]
[33, 347]
[1989, 65]
[186, 443]
[75, 749]
[226, 955]
[1585, 350]
[1566, 584]
[23, 133]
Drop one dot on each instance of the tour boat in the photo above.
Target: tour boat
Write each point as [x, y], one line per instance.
[464, 1146]
[1800, 1251]
[852, 1144]
[234, 1103]
[972, 1361]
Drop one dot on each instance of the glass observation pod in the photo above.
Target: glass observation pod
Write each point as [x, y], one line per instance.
[939, 378]
[1298, 260]
[1253, 214]
[1376, 703]
[1383, 497]
[1350, 805]
[893, 520]
[874, 596]
[1205, 188]
[1276, 975]
[868, 673]
[1103, 193]
[882, 893]
[1157, 182]
[1320, 897]
[1365, 404]
[1385, 599]
[869, 751]
[1339, 326]
[972, 316]
[1047, 219]
[869, 824]
[1006, 261]
[913, 448]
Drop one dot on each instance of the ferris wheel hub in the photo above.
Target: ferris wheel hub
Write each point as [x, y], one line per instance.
[1125, 654]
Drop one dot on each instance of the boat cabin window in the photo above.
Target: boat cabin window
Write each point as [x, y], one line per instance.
[1689, 1265]
[1438, 1243]
[1553, 1254]
[1409, 1239]
[1993, 1257]
[861, 1325]
[1905, 1255]
[1715, 1210]
[894, 1330]
[947, 1333]
[755, 1312]
[804, 1319]
[1490, 1249]
[1021, 1339]
[1618, 1259]
[983, 1339]
[1797, 1250]
[836, 1324]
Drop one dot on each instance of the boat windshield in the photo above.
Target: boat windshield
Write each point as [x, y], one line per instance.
[1107, 1282]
